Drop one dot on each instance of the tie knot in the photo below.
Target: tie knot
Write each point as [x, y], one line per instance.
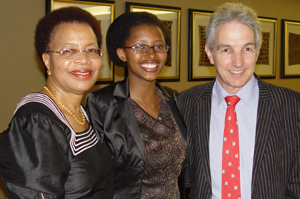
[232, 100]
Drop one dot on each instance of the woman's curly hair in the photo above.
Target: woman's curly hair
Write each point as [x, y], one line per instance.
[47, 26]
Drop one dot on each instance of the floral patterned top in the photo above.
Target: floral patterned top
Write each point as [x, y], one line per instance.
[164, 152]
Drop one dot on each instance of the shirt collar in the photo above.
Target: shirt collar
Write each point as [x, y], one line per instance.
[246, 93]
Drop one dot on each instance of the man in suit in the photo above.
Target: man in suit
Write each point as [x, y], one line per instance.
[265, 121]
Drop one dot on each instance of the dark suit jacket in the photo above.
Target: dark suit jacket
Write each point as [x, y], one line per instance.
[111, 114]
[276, 164]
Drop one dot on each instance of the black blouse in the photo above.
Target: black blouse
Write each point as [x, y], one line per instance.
[42, 157]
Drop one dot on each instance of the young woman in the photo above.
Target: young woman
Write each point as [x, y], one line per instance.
[139, 117]
[49, 149]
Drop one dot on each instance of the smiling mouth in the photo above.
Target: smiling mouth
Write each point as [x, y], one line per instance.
[82, 74]
[236, 72]
[149, 65]
[79, 73]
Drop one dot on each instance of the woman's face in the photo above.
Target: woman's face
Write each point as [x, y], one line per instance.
[143, 66]
[72, 75]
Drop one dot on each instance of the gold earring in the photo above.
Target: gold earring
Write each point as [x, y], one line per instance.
[48, 72]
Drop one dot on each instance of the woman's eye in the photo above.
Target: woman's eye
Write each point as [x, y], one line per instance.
[68, 50]
[92, 50]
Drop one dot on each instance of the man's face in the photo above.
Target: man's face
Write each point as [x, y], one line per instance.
[234, 55]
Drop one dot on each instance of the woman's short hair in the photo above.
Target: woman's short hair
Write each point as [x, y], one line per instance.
[47, 26]
[229, 12]
[120, 29]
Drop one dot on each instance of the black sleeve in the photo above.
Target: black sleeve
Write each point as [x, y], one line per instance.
[34, 157]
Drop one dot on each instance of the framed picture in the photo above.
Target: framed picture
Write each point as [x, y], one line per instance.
[265, 65]
[290, 54]
[104, 12]
[200, 68]
[170, 16]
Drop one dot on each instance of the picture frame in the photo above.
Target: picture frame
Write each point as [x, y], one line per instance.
[171, 17]
[103, 11]
[266, 63]
[199, 66]
[290, 59]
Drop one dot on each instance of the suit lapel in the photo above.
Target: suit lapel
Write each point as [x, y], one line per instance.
[203, 116]
[123, 106]
[264, 120]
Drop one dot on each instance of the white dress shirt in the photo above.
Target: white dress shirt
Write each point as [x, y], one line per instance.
[246, 111]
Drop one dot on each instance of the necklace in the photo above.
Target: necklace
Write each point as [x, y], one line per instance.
[159, 118]
[60, 104]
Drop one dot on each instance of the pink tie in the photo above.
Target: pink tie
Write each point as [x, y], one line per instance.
[231, 158]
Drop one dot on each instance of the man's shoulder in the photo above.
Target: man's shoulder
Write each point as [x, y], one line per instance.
[276, 90]
[278, 94]
[197, 90]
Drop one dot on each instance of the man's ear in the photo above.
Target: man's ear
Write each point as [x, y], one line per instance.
[209, 54]
[258, 54]
[121, 54]
[46, 60]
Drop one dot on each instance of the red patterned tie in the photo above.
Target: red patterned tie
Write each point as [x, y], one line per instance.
[231, 158]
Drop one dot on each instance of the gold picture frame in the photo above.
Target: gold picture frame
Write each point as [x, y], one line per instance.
[266, 63]
[199, 67]
[290, 54]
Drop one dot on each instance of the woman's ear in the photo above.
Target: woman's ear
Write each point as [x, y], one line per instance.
[46, 60]
[121, 54]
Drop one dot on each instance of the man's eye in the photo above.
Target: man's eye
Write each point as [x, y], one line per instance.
[226, 50]
[249, 49]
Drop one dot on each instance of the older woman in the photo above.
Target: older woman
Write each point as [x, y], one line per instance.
[49, 149]
[139, 117]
